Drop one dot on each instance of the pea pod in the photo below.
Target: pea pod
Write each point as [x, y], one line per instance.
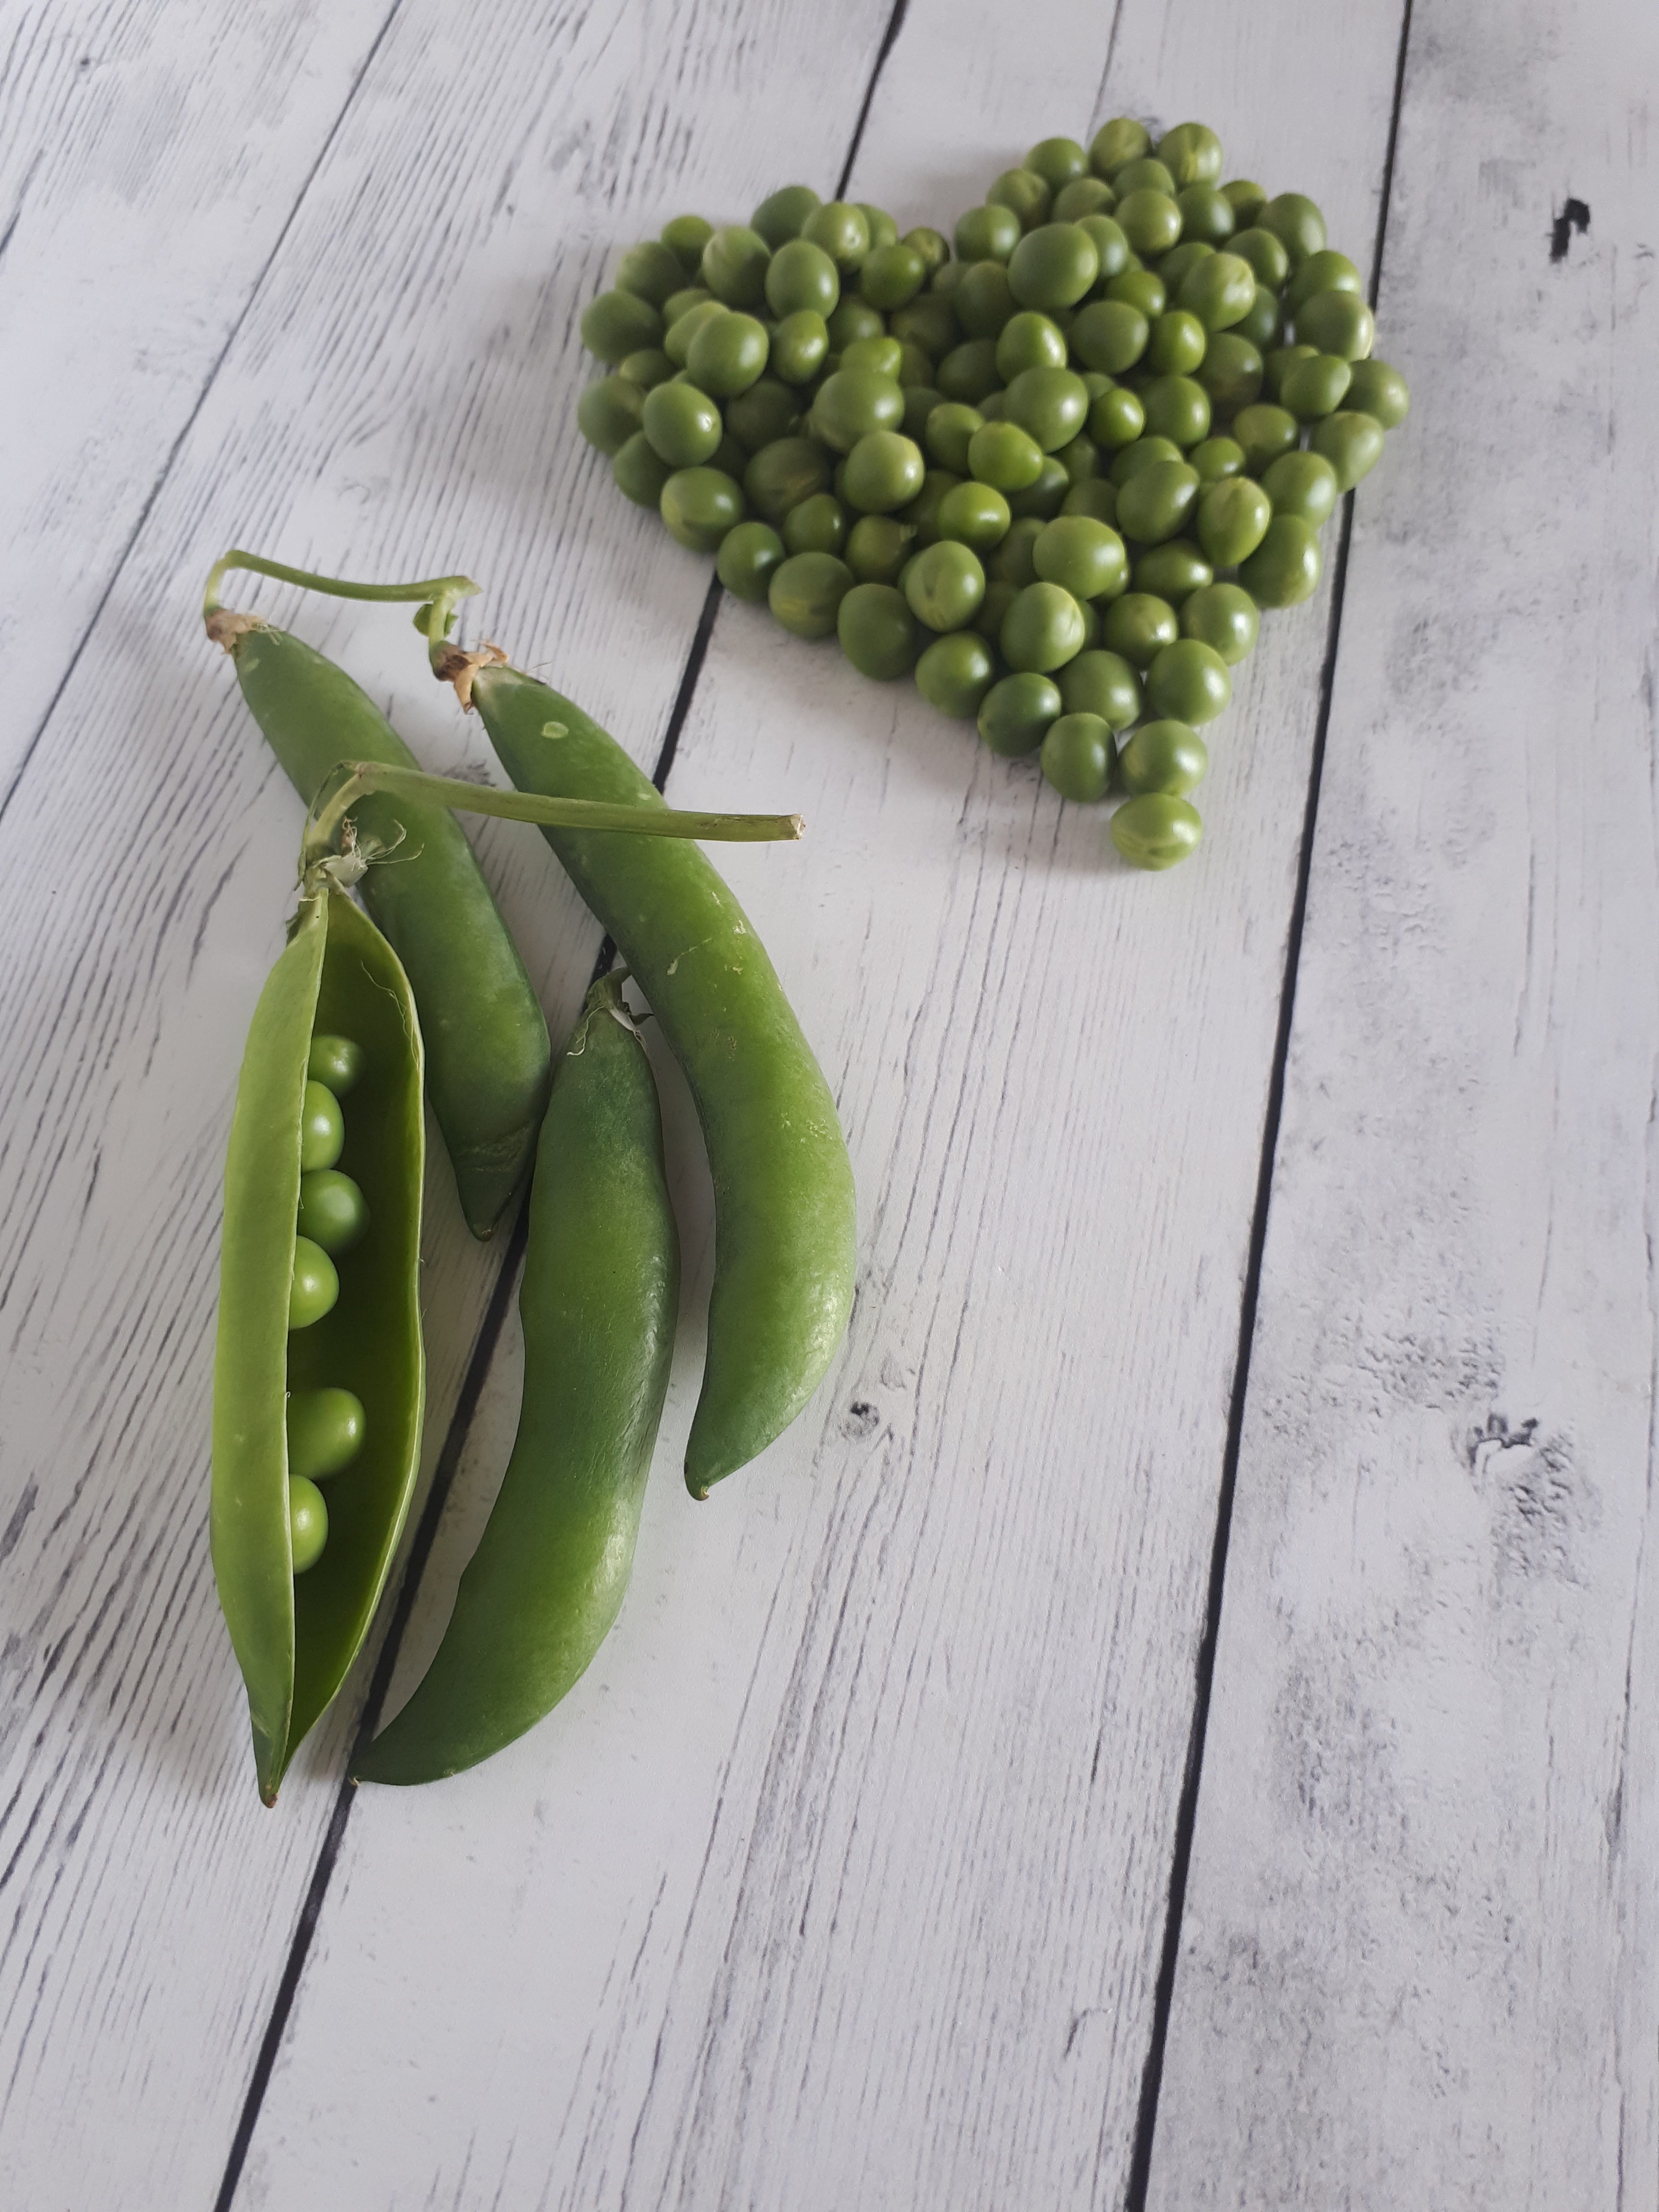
[599, 1302]
[784, 1209]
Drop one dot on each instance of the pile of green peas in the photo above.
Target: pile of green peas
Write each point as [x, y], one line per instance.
[325, 1426]
[1054, 467]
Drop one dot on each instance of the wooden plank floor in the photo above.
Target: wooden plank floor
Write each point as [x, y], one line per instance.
[1169, 1725]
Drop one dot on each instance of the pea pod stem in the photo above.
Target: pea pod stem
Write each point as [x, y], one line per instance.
[436, 594]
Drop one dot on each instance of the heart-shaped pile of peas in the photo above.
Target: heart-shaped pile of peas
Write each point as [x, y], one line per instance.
[1055, 473]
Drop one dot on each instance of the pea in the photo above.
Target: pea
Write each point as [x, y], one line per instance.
[1177, 408]
[892, 276]
[1296, 221]
[852, 321]
[877, 633]
[1155, 501]
[1247, 199]
[1051, 403]
[336, 1062]
[1016, 713]
[920, 401]
[1083, 196]
[1090, 613]
[1351, 443]
[1277, 364]
[885, 471]
[883, 231]
[1323, 272]
[1093, 496]
[1217, 458]
[843, 231]
[1029, 341]
[923, 513]
[1140, 288]
[1192, 154]
[987, 234]
[617, 324]
[817, 524]
[955, 673]
[1111, 247]
[1121, 140]
[951, 428]
[1304, 484]
[799, 344]
[1264, 325]
[1110, 335]
[974, 515]
[1188, 681]
[1157, 830]
[931, 245]
[1206, 214]
[1167, 756]
[1138, 627]
[1116, 419]
[307, 1523]
[1380, 391]
[1173, 571]
[877, 547]
[676, 339]
[640, 474]
[647, 368]
[945, 278]
[1220, 291]
[1232, 520]
[749, 553]
[1103, 684]
[1078, 756]
[1057, 161]
[333, 1211]
[1081, 459]
[608, 413]
[999, 597]
[699, 506]
[783, 474]
[806, 592]
[1230, 374]
[685, 236]
[1052, 266]
[1264, 432]
[315, 1286]
[322, 1127]
[944, 584]
[1086, 557]
[1012, 562]
[325, 1433]
[1045, 497]
[768, 410]
[1025, 193]
[1180, 258]
[1266, 254]
[1316, 386]
[681, 302]
[983, 301]
[1285, 568]
[683, 425]
[1337, 323]
[1147, 174]
[1224, 617]
[968, 372]
[1149, 219]
[802, 275]
[1005, 456]
[1176, 343]
[779, 218]
[734, 263]
[991, 408]
[1042, 630]
[853, 402]
[1142, 454]
[930, 323]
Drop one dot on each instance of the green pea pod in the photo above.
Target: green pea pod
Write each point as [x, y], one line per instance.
[598, 1301]
[295, 1640]
[785, 1230]
[488, 1056]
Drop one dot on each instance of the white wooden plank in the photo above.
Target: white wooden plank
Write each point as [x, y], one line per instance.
[1417, 1964]
[401, 391]
[150, 157]
[840, 1879]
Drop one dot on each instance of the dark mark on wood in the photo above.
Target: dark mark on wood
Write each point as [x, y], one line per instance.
[1574, 216]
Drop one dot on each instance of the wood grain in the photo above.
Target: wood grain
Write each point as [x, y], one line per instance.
[840, 1879]
[1419, 1958]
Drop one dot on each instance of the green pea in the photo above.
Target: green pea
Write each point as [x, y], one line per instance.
[617, 324]
[950, 430]
[1217, 458]
[640, 472]
[783, 474]
[1140, 288]
[1025, 193]
[1111, 247]
[1044, 498]
[676, 339]
[1232, 520]
[1058, 161]
[734, 263]
[801, 276]
[1103, 684]
[1147, 174]
[1264, 432]
[1380, 391]
[877, 547]
[1230, 374]
[999, 597]
[768, 410]
[1173, 571]
[1081, 459]
[699, 506]
[1029, 341]
[1351, 443]
[1285, 568]
[806, 592]
[1304, 484]
[945, 278]
[931, 245]
[1110, 335]
[1180, 258]
[1149, 219]
[843, 232]
[1116, 419]
[1083, 196]
[817, 524]
[1077, 757]
[853, 319]
[968, 372]
[730, 459]
[1247, 199]
[1005, 456]
[1142, 454]
[1121, 140]
[748, 555]
[1323, 272]
[930, 323]
[1155, 501]
[1052, 266]
[651, 271]
[923, 513]
[982, 302]
[955, 673]
[1012, 562]
[876, 630]
[885, 471]
[779, 218]
[1176, 343]
[1167, 756]
[987, 234]
[336, 1062]
[974, 515]
[1297, 223]
[1188, 682]
[1157, 830]
[647, 368]
[1051, 403]
[1337, 323]
[944, 584]
[1016, 713]
[1087, 558]
[685, 236]
[991, 409]
[682, 424]
[326, 1430]
[1206, 214]
[1177, 408]
[322, 1127]
[799, 344]
[607, 413]
[681, 302]
[1316, 387]
[1223, 616]
[1264, 325]
[853, 402]
[1138, 627]
[307, 1523]
[883, 231]
[1277, 364]
[1042, 630]
[315, 1286]
[1266, 255]
[892, 276]
[1220, 291]
[1192, 154]
[333, 1211]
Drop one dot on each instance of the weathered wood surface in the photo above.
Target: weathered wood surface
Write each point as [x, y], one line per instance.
[1418, 1961]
